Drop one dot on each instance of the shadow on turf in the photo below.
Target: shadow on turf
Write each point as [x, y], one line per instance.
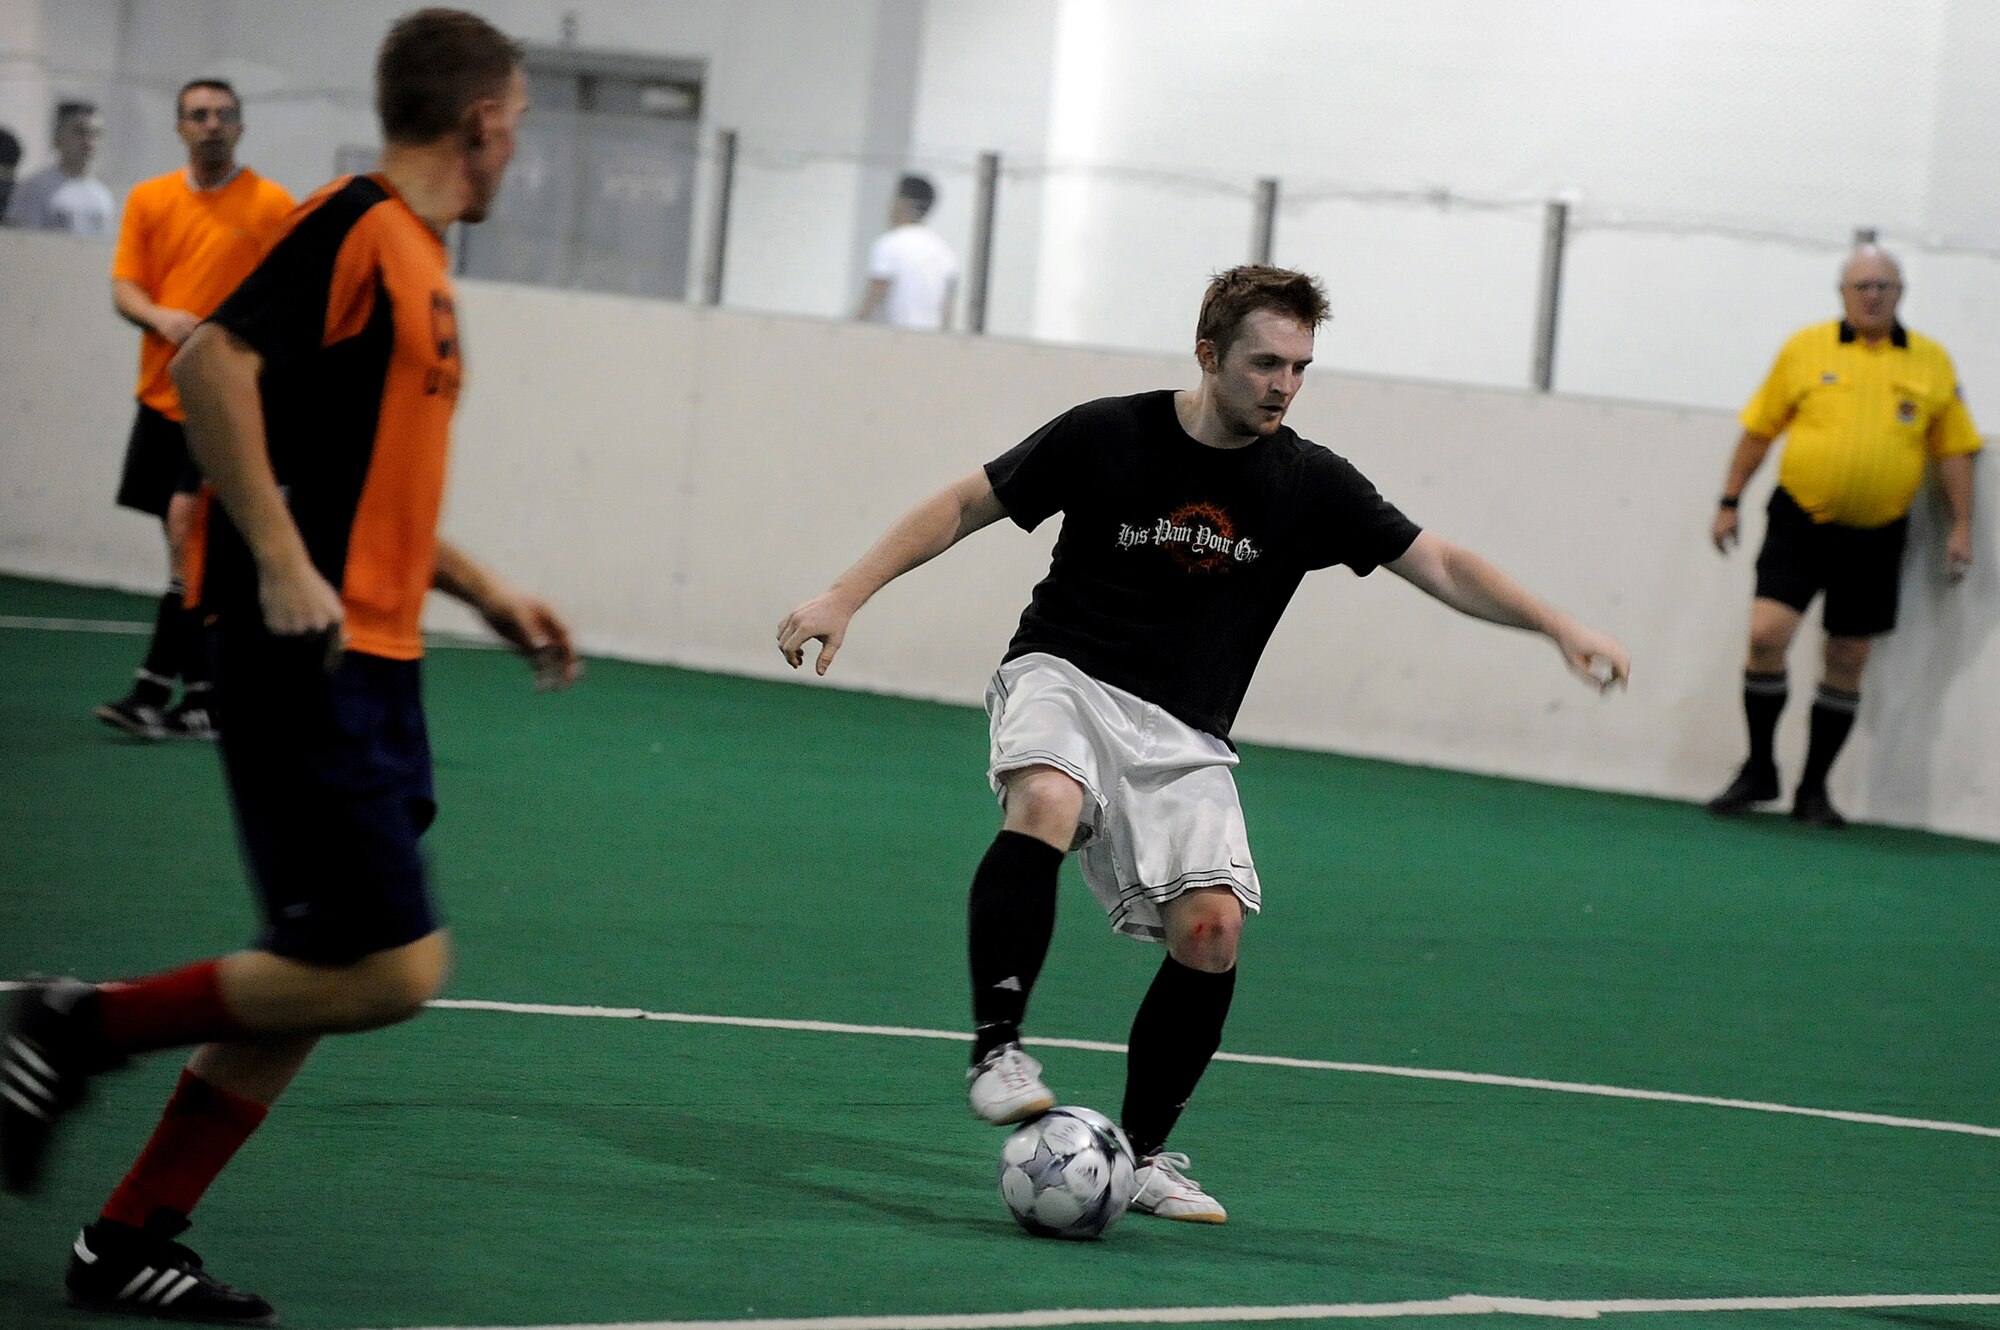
[768, 1157]
[942, 1182]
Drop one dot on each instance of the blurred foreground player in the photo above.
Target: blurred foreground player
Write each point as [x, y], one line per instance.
[1189, 519]
[319, 401]
[187, 239]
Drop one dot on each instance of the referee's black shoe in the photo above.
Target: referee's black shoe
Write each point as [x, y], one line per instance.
[1755, 784]
[143, 1272]
[1811, 806]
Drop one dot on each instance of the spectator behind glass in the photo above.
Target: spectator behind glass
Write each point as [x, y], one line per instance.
[10, 157]
[912, 273]
[64, 196]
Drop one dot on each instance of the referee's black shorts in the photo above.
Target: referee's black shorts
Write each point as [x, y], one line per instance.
[157, 465]
[1859, 568]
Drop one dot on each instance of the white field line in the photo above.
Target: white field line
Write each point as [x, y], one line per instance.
[1464, 1304]
[1249, 1059]
[1252, 1059]
[35, 624]
[128, 628]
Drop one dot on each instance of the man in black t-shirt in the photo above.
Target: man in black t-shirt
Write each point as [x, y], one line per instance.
[1189, 519]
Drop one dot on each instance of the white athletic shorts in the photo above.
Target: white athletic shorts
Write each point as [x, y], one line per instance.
[1162, 816]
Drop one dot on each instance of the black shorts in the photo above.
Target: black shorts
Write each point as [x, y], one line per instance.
[330, 776]
[1859, 568]
[157, 465]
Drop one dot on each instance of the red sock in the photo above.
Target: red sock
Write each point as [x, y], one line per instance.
[203, 1127]
[167, 1010]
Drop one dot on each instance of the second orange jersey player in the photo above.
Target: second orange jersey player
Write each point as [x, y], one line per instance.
[188, 238]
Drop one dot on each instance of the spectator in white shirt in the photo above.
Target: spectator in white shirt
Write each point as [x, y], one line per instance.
[912, 273]
[65, 196]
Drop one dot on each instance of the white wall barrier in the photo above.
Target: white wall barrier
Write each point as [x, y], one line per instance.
[677, 478]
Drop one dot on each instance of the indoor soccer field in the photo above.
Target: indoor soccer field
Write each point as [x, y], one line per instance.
[1505, 1052]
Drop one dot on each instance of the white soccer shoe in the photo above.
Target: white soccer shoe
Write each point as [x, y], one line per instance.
[1007, 1087]
[1160, 1188]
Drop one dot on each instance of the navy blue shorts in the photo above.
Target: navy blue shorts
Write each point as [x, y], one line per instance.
[330, 775]
[1859, 568]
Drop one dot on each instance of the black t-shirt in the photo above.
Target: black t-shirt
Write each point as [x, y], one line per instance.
[1176, 559]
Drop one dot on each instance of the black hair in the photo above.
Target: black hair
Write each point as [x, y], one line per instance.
[918, 192]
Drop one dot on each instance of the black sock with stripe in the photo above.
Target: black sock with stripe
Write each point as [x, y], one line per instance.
[1832, 718]
[1010, 918]
[166, 651]
[1763, 701]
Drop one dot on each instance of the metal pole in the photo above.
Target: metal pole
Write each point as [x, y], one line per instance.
[1555, 228]
[1264, 234]
[718, 222]
[981, 264]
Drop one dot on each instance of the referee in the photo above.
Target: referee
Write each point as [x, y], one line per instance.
[1866, 403]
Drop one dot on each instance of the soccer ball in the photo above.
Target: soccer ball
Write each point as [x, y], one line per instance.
[1067, 1173]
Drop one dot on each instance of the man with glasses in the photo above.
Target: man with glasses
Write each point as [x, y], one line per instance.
[188, 238]
[1865, 403]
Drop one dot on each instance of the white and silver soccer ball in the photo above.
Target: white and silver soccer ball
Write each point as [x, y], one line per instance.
[1067, 1173]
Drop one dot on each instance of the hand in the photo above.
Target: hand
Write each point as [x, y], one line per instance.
[175, 324]
[822, 619]
[1723, 533]
[298, 602]
[536, 632]
[1958, 554]
[1596, 658]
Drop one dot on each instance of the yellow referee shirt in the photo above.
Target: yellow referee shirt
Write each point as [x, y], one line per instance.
[1863, 419]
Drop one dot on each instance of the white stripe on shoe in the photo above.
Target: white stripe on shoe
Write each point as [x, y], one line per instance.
[187, 1282]
[133, 1287]
[25, 1052]
[159, 1285]
[19, 1075]
[22, 1102]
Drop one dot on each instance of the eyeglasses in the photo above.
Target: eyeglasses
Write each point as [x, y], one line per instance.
[1874, 288]
[222, 115]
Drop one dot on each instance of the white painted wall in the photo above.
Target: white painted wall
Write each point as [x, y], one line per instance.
[1799, 117]
[678, 478]
[24, 92]
[1133, 131]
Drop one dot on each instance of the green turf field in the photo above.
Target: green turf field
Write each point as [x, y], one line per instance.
[688, 843]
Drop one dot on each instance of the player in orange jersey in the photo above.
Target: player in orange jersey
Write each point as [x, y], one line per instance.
[188, 238]
[319, 399]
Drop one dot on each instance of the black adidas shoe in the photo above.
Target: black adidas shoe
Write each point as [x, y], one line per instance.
[135, 716]
[190, 718]
[144, 1272]
[50, 1053]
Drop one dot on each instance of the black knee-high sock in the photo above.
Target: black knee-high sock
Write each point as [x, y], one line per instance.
[198, 659]
[1832, 717]
[1763, 699]
[1174, 1036]
[166, 651]
[1010, 918]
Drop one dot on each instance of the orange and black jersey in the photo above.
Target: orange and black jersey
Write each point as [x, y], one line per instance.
[352, 314]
